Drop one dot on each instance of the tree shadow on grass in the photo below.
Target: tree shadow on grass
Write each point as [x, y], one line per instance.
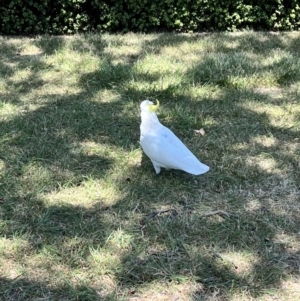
[50, 44]
[171, 245]
[171, 256]
[23, 290]
[184, 245]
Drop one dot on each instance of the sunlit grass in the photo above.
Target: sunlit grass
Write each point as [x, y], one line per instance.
[83, 215]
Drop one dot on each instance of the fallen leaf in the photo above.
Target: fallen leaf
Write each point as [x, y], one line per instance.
[201, 132]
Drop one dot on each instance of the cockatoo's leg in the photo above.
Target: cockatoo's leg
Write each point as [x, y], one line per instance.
[156, 167]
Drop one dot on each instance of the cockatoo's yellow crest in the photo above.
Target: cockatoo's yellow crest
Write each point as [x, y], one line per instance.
[154, 108]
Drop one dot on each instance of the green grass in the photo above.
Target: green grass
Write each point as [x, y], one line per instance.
[83, 215]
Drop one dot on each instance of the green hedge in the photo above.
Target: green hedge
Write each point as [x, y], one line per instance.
[71, 16]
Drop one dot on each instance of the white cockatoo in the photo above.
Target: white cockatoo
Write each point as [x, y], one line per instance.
[163, 147]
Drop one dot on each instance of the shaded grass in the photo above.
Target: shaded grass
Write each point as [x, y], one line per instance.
[82, 214]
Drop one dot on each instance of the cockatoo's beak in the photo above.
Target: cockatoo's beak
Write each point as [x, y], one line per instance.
[154, 108]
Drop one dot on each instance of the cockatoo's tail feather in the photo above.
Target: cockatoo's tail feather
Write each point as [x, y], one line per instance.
[163, 147]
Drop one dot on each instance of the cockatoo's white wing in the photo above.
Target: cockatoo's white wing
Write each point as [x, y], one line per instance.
[166, 150]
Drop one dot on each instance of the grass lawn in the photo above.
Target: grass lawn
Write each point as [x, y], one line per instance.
[83, 216]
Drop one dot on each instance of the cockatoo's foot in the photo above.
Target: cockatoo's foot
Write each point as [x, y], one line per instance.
[156, 167]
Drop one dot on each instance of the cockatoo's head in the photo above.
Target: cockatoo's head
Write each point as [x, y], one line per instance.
[149, 106]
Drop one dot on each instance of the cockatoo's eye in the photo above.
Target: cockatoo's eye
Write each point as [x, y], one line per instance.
[153, 108]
